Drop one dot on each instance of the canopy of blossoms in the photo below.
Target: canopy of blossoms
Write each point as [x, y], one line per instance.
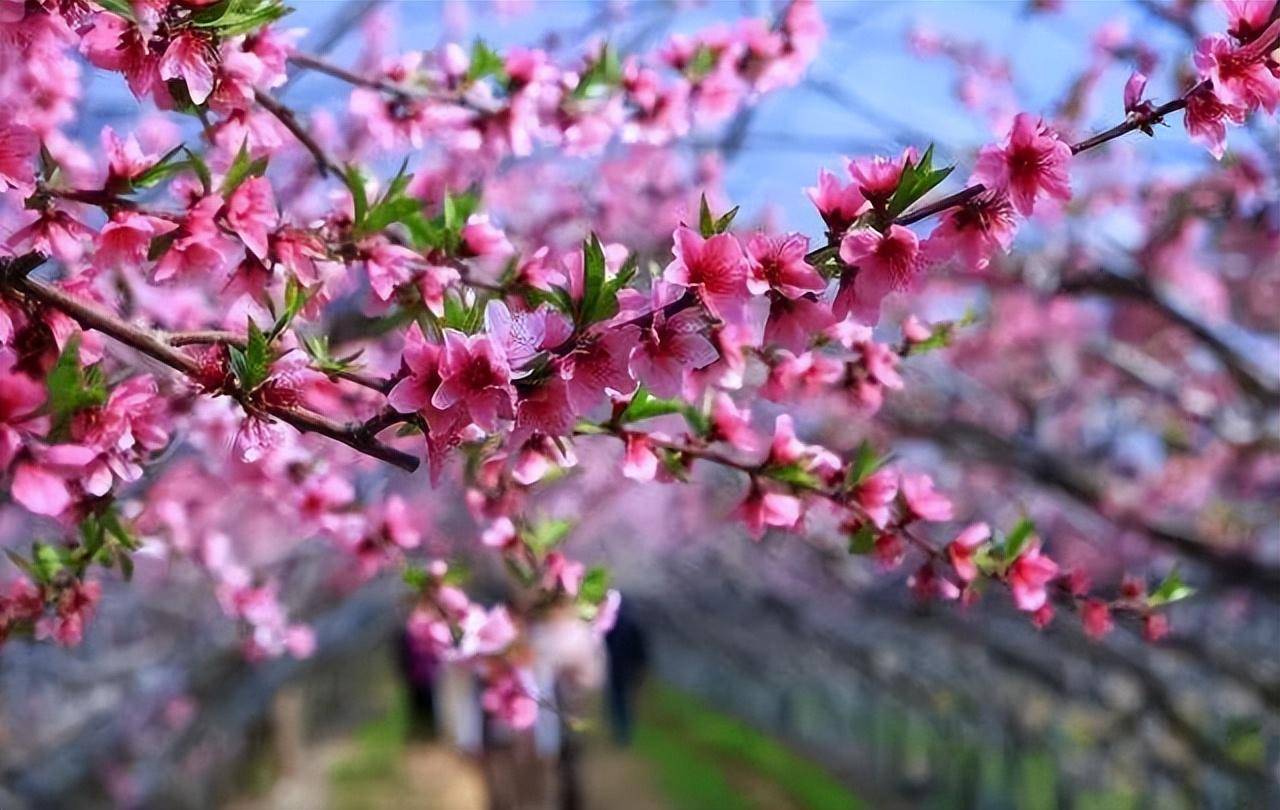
[283, 302]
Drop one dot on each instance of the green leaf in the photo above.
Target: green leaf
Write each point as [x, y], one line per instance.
[863, 540]
[197, 164]
[795, 475]
[485, 62]
[595, 585]
[593, 280]
[46, 562]
[644, 405]
[231, 18]
[545, 535]
[252, 364]
[71, 388]
[120, 8]
[317, 347]
[600, 76]
[415, 576]
[163, 168]
[917, 180]
[864, 464]
[701, 65]
[1171, 590]
[706, 222]
[1017, 539]
[355, 180]
[242, 168]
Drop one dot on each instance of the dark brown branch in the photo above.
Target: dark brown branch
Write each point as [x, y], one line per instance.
[14, 280]
[286, 116]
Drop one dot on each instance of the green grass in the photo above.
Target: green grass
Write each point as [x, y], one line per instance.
[373, 768]
[697, 751]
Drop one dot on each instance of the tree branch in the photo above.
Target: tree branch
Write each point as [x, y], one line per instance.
[14, 279]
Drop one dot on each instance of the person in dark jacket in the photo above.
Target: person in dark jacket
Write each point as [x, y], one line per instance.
[628, 660]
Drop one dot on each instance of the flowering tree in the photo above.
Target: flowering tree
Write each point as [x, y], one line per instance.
[269, 311]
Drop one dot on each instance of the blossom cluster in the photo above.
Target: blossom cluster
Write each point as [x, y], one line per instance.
[498, 344]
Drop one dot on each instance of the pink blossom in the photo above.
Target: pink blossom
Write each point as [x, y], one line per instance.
[200, 248]
[500, 534]
[18, 149]
[388, 266]
[474, 376]
[640, 462]
[41, 483]
[128, 428]
[1246, 19]
[973, 232]
[561, 572]
[486, 632]
[877, 178]
[1031, 163]
[546, 411]
[1155, 626]
[1042, 616]
[778, 264]
[73, 609]
[924, 502]
[481, 238]
[761, 509]
[1028, 577]
[1241, 76]
[927, 584]
[54, 233]
[885, 263]
[395, 524]
[507, 699]
[875, 494]
[189, 58]
[524, 334]
[1133, 89]
[889, 550]
[838, 205]
[671, 345]
[125, 158]
[124, 241]
[961, 550]
[252, 214]
[1096, 618]
[20, 399]
[732, 424]
[1206, 119]
[598, 364]
[716, 268]
[786, 448]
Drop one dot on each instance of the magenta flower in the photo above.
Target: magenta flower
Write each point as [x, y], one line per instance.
[252, 214]
[20, 399]
[1028, 577]
[1096, 618]
[838, 205]
[1241, 76]
[875, 495]
[885, 263]
[474, 376]
[126, 430]
[1032, 162]
[961, 550]
[201, 249]
[732, 424]
[716, 268]
[792, 324]
[777, 263]
[600, 363]
[923, 501]
[189, 57]
[1206, 119]
[18, 149]
[639, 461]
[124, 241]
[41, 483]
[388, 265]
[671, 346]
[761, 509]
[877, 178]
[973, 232]
[545, 411]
